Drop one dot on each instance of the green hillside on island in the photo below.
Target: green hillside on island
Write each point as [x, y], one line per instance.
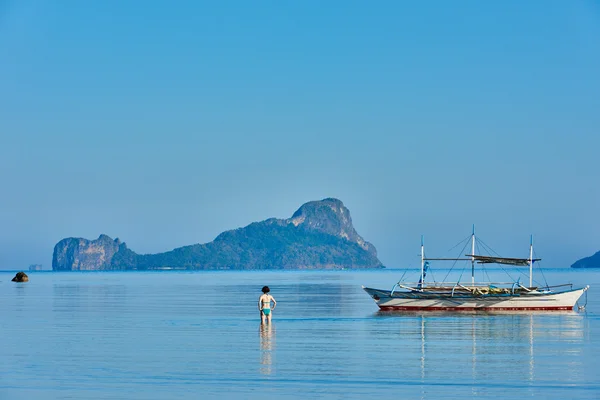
[319, 234]
[588, 262]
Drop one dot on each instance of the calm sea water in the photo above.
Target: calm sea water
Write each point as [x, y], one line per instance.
[191, 335]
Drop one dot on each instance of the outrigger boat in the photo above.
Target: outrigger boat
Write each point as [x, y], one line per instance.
[473, 296]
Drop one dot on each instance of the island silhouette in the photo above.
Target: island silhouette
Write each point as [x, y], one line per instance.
[319, 234]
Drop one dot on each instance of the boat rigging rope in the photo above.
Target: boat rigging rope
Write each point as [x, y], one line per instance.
[582, 308]
[490, 250]
[427, 269]
[485, 273]
[402, 277]
[461, 273]
[459, 243]
[431, 274]
[454, 263]
[540, 269]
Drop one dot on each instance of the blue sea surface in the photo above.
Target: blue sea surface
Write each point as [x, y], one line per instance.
[197, 335]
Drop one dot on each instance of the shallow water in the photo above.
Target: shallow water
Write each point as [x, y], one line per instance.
[189, 335]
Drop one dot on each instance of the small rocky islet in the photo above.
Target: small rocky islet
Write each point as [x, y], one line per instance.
[588, 262]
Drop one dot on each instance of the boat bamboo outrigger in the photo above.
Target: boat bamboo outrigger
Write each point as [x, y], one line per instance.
[482, 296]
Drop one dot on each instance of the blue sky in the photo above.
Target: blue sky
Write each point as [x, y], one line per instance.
[166, 123]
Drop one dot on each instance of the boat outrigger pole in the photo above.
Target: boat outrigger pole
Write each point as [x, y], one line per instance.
[473, 256]
[531, 261]
[422, 263]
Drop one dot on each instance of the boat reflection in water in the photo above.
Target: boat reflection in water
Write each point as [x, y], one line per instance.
[267, 345]
[496, 348]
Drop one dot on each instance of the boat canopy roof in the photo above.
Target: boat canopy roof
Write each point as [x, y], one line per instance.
[502, 260]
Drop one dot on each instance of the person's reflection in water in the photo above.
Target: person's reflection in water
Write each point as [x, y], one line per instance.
[267, 344]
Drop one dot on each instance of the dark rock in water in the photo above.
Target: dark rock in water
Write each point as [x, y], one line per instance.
[319, 235]
[588, 262]
[20, 277]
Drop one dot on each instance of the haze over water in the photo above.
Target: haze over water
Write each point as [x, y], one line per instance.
[189, 335]
[166, 125]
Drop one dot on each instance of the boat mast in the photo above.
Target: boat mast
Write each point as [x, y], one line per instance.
[422, 263]
[531, 261]
[473, 256]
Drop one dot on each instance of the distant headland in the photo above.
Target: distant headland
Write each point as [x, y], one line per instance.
[588, 262]
[319, 234]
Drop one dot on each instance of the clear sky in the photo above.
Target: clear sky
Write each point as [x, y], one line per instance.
[165, 123]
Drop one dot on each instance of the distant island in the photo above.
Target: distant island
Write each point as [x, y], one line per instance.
[319, 234]
[588, 262]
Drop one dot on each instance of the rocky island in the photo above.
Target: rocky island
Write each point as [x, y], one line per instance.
[588, 262]
[319, 234]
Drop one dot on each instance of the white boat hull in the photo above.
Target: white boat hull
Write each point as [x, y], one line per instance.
[410, 301]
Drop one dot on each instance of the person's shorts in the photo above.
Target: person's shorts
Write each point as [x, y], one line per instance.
[266, 311]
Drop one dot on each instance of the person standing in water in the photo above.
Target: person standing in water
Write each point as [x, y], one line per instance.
[264, 305]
